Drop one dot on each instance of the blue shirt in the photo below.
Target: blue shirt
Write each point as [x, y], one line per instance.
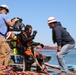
[3, 25]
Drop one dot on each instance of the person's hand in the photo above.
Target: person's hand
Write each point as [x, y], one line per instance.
[34, 33]
[15, 19]
[42, 45]
[57, 53]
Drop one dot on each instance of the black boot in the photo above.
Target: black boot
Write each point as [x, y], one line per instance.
[28, 67]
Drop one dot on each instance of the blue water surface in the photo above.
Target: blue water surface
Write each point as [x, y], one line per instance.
[70, 58]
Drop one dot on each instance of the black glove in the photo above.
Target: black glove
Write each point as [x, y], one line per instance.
[42, 45]
[34, 33]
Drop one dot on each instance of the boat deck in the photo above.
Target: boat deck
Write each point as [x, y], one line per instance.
[51, 70]
[54, 70]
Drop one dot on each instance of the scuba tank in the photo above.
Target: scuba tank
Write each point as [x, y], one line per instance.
[15, 51]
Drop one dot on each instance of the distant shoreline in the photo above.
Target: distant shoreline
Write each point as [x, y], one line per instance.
[49, 48]
[52, 48]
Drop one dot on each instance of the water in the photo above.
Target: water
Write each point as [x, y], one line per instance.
[70, 58]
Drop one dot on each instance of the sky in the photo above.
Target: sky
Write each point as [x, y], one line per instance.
[37, 12]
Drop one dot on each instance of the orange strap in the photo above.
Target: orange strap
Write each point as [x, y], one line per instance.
[37, 53]
[28, 52]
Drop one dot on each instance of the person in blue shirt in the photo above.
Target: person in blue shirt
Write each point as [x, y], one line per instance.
[64, 41]
[5, 22]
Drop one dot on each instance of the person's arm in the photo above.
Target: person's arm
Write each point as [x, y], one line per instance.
[25, 39]
[11, 23]
[58, 48]
[58, 39]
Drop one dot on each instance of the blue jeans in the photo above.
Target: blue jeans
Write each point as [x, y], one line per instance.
[64, 50]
